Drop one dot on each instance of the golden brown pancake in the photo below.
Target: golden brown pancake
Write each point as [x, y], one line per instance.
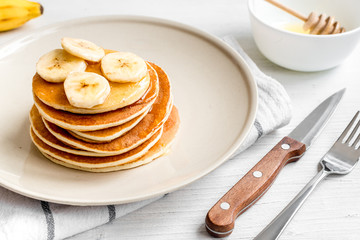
[92, 161]
[118, 162]
[148, 126]
[107, 134]
[39, 129]
[92, 122]
[121, 94]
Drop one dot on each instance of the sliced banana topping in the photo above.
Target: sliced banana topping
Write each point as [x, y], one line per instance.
[55, 65]
[83, 49]
[86, 89]
[123, 67]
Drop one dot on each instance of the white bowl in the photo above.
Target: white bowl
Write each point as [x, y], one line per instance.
[304, 52]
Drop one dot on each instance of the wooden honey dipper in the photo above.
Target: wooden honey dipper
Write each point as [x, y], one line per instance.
[317, 24]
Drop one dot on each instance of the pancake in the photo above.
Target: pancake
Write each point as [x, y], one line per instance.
[41, 132]
[117, 162]
[107, 134]
[95, 161]
[149, 125]
[92, 122]
[121, 94]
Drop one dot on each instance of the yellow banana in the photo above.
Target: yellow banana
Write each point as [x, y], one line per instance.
[14, 13]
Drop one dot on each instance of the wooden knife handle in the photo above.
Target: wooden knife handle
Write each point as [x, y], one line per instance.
[221, 217]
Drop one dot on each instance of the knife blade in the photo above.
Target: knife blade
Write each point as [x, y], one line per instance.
[220, 220]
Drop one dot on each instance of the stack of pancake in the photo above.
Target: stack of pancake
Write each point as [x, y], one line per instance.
[135, 125]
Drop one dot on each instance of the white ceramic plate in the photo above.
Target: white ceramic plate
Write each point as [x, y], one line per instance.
[212, 87]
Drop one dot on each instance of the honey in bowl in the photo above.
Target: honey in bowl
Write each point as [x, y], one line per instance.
[296, 27]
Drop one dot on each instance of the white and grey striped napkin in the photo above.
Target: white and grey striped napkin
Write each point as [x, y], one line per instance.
[25, 218]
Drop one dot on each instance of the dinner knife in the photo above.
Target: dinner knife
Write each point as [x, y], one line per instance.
[220, 220]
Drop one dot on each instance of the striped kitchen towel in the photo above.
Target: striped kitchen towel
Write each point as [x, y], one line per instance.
[25, 218]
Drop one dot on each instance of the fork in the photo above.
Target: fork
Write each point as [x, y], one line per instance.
[340, 159]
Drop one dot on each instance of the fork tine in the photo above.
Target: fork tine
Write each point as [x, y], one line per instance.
[347, 129]
[353, 132]
[356, 141]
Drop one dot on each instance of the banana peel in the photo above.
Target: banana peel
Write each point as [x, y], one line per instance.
[15, 13]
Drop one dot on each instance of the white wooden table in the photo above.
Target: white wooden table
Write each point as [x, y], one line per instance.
[332, 212]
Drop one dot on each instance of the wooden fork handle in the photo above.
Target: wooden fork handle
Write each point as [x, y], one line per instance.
[221, 217]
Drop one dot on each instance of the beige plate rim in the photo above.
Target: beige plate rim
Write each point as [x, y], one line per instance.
[21, 175]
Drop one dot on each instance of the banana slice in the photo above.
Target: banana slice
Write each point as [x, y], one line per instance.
[123, 67]
[83, 49]
[86, 89]
[55, 65]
